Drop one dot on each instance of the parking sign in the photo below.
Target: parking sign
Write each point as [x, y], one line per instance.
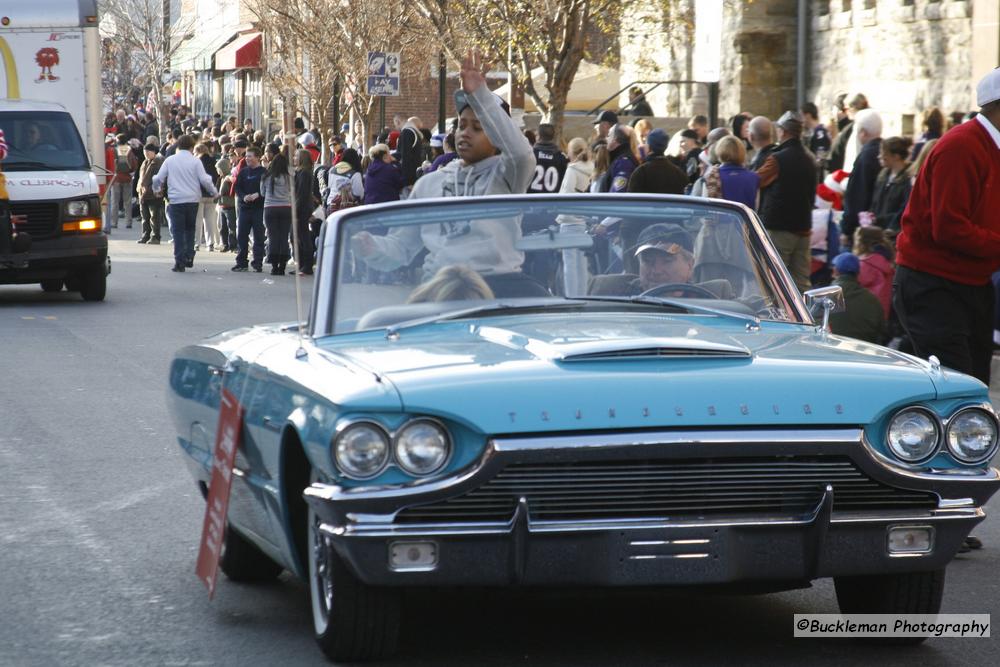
[383, 73]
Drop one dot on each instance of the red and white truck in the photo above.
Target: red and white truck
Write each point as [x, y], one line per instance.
[51, 116]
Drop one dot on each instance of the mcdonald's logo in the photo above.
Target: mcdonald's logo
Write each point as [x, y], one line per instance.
[10, 70]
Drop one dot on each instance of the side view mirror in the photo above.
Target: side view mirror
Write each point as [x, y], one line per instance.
[825, 300]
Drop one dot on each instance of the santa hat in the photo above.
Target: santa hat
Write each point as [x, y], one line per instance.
[827, 198]
[837, 181]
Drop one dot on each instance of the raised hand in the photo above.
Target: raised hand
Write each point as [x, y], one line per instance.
[473, 73]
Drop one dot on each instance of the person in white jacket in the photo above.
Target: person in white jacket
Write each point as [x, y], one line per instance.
[495, 158]
[186, 179]
[580, 169]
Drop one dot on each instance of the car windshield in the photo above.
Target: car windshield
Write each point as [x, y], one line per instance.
[415, 263]
[42, 141]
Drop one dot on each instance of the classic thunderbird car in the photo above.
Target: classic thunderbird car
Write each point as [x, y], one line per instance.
[484, 396]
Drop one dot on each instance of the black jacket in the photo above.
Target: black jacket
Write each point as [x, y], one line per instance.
[411, 153]
[550, 168]
[787, 203]
[640, 108]
[861, 186]
[761, 157]
[890, 199]
[658, 175]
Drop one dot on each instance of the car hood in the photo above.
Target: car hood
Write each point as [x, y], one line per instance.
[543, 373]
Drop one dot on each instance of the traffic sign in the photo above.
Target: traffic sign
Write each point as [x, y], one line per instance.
[383, 73]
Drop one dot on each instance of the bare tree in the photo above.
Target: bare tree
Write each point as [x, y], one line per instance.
[313, 43]
[527, 34]
[121, 77]
[140, 28]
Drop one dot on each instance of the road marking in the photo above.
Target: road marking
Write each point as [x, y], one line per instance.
[27, 317]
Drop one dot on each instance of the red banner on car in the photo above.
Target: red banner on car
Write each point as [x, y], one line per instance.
[213, 530]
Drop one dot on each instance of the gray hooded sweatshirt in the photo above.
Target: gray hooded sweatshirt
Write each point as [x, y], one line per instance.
[487, 246]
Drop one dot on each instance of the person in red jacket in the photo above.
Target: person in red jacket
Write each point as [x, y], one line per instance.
[949, 245]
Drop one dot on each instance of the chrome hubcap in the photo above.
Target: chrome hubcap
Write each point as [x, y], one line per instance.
[322, 575]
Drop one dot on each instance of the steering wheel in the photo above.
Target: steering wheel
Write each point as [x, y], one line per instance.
[687, 289]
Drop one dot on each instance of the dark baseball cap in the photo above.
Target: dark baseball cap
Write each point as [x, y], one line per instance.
[240, 143]
[664, 233]
[846, 262]
[607, 116]
[657, 141]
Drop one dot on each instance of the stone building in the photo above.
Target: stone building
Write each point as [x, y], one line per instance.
[905, 55]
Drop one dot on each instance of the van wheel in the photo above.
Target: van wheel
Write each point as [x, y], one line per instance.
[52, 285]
[93, 283]
[352, 621]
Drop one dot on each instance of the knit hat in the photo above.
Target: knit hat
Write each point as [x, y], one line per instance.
[437, 141]
[657, 141]
[846, 262]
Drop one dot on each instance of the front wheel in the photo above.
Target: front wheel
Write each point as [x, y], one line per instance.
[352, 621]
[906, 593]
[93, 283]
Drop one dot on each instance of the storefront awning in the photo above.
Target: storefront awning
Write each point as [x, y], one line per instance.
[196, 53]
[244, 52]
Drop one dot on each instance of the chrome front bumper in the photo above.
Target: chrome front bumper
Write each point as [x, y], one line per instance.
[362, 523]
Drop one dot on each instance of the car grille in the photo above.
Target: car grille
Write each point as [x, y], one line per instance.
[43, 218]
[687, 489]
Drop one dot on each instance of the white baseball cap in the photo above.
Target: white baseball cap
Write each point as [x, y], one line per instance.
[988, 89]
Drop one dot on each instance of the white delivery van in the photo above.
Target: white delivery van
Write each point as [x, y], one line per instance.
[51, 116]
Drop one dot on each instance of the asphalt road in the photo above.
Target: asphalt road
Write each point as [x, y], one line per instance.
[99, 521]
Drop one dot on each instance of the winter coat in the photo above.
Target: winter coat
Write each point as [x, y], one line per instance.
[889, 199]
[863, 319]
[861, 186]
[876, 276]
[149, 169]
[577, 178]
[658, 175]
[383, 182]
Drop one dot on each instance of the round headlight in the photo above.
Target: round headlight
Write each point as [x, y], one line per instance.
[422, 447]
[913, 435]
[972, 435]
[362, 450]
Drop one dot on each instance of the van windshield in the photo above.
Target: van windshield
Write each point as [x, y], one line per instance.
[42, 141]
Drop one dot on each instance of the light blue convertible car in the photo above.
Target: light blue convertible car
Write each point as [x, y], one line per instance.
[496, 392]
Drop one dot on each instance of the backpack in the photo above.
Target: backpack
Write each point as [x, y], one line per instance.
[343, 196]
[121, 163]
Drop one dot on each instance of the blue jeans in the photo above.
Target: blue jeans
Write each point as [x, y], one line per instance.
[182, 221]
[250, 219]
